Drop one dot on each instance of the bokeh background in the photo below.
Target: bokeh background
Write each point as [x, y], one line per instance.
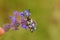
[45, 12]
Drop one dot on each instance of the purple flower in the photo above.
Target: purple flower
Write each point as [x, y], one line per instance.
[13, 19]
[23, 23]
[23, 19]
[7, 27]
[10, 17]
[17, 24]
[24, 26]
[21, 14]
[15, 13]
[27, 13]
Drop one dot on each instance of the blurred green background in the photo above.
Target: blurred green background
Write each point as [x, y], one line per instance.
[41, 11]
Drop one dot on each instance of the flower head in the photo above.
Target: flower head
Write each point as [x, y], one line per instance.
[15, 13]
[21, 14]
[27, 13]
[24, 26]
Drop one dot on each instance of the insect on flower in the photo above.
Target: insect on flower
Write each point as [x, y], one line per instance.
[25, 21]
